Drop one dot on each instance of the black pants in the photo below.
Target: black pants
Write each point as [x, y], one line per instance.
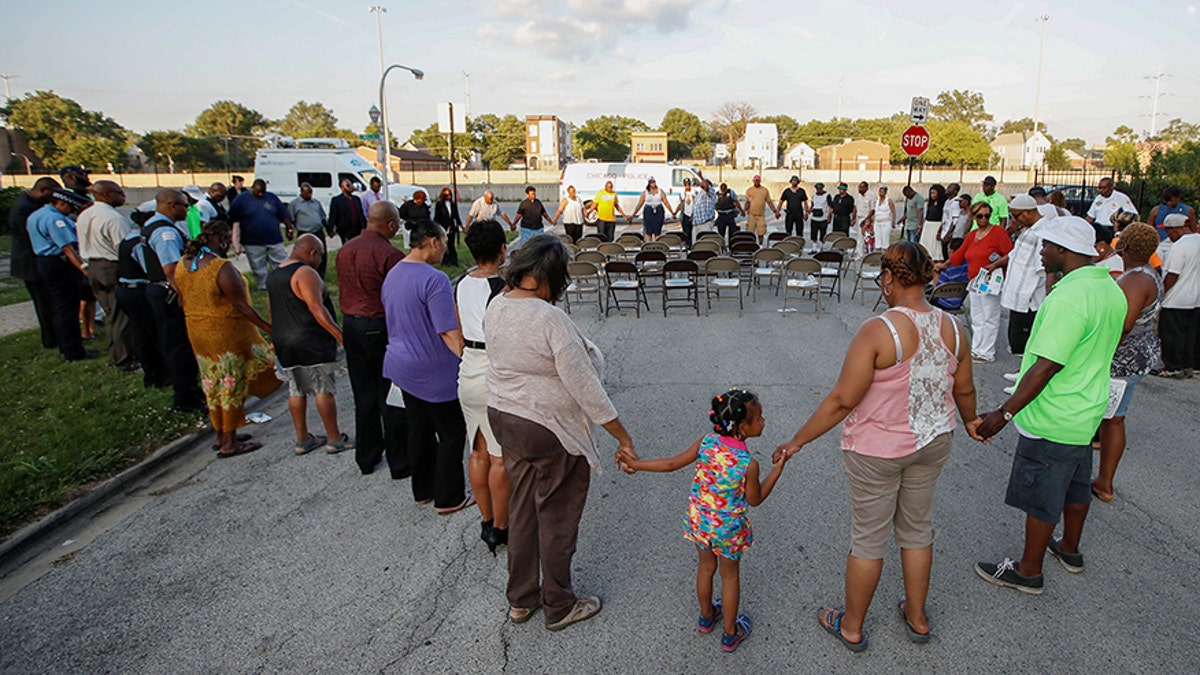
[41, 306]
[607, 229]
[1179, 330]
[1019, 326]
[379, 429]
[726, 225]
[841, 224]
[574, 231]
[64, 285]
[176, 349]
[437, 439]
[451, 257]
[794, 223]
[143, 334]
[816, 230]
[686, 223]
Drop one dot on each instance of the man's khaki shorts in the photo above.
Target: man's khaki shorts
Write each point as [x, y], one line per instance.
[756, 224]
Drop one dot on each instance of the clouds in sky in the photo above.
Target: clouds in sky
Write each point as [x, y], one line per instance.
[577, 29]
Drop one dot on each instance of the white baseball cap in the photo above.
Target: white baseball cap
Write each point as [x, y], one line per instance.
[1072, 233]
[1022, 202]
[1175, 220]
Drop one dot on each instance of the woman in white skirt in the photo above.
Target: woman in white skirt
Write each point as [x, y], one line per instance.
[885, 216]
[934, 208]
[485, 469]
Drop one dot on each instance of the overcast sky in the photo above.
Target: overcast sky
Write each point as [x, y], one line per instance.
[154, 65]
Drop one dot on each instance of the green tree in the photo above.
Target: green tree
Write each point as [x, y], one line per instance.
[1025, 124]
[61, 132]
[1077, 144]
[439, 143]
[953, 143]
[501, 140]
[606, 138]
[174, 149]
[1056, 158]
[1178, 131]
[686, 133]
[310, 120]
[237, 127]
[962, 106]
[1121, 152]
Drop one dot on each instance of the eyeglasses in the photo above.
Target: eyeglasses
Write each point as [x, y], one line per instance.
[983, 216]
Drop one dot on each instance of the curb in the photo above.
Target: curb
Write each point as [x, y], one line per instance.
[27, 537]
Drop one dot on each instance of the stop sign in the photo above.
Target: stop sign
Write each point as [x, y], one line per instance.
[915, 141]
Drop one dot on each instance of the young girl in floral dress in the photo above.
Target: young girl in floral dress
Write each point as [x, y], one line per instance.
[726, 482]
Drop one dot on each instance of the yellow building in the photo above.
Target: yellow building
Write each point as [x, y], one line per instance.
[648, 146]
[860, 155]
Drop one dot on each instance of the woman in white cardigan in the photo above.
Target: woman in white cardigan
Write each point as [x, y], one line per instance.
[545, 393]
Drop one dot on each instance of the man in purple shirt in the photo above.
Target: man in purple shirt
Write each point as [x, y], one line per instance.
[424, 347]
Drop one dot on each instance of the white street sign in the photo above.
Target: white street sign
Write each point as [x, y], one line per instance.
[460, 120]
[920, 110]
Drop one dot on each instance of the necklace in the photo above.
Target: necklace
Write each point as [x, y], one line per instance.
[531, 290]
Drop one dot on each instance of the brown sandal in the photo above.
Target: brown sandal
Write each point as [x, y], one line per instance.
[520, 614]
[585, 608]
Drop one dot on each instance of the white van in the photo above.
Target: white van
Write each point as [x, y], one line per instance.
[629, 180]
[322, 163]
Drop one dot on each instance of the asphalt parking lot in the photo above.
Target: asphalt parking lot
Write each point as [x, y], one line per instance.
[278, 563]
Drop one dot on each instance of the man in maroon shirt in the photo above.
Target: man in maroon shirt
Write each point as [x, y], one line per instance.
[362, 264]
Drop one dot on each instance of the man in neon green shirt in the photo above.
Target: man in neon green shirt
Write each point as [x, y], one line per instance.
[604, 204]
[995, 200]
[1061, 396]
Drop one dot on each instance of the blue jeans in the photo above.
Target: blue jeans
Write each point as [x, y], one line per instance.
[527, 234]
[912, 236]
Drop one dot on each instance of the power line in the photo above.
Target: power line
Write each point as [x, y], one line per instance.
[7, 92]
[1157, 77]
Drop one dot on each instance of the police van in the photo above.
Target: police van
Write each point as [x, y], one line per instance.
[629, 180]
[322, 163]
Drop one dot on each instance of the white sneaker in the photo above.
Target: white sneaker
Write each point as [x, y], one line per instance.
[1012, 377]
[1010, 390]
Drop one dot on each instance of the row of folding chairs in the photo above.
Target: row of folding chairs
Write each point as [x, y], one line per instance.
[609, 283]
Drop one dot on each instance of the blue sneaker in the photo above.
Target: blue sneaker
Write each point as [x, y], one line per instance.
[707, 623]
[729, 642]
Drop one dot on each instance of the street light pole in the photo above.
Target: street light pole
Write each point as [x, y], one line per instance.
[387, 147]
[378, 11]
[28, 170]
[1037, 97]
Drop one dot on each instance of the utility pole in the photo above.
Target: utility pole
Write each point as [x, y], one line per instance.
[378, 11]
[1037, 97]
[7, 91]
[467, 81]
[1157, 77]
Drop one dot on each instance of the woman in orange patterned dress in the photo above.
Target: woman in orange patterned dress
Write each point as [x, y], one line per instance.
[235, 361]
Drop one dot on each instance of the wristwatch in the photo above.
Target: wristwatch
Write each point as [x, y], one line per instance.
[1008, 417]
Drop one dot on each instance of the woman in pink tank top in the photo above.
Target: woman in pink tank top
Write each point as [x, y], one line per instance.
[904, 374]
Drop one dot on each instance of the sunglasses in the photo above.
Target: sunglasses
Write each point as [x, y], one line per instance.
[983, 216]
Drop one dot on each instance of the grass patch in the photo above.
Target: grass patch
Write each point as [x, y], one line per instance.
[12, 290]
[70, 424]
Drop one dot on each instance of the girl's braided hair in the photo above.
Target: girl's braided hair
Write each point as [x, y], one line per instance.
[730, 409]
